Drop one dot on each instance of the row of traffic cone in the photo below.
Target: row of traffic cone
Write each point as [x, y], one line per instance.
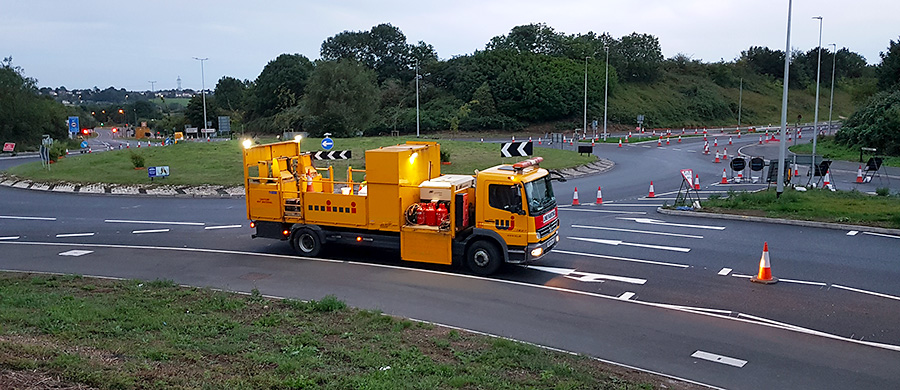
[599, 197]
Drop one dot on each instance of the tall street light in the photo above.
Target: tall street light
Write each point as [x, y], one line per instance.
[203, 89]
[833, 63]
[584, 128]
[417, 98]
[779, 187]
[605, 92]
[818, 72]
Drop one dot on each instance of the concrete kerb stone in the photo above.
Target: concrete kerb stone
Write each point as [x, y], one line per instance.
[781, 221]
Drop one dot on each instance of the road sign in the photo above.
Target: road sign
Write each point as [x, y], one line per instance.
[224, 124]
[510, 149]
[327, 143]
[73, 124]
[738, 164]
[332, 155]
[84, 144]
[9, 146]
[162, 171]
[757, 164]
[688, 175]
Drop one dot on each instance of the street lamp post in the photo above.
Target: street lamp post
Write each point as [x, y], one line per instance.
[584, 128]
[779, 187]
[605, 93]
[203, 89]
[740, 102]
[833, 64]
[818, 72]
[417, 98]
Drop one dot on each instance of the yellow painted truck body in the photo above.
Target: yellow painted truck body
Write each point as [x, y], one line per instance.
[504, 214]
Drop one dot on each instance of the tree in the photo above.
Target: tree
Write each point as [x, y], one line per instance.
[537, 38]
[877, 123]
[193, 114]
[229, 93]
[764, 60]
[888, 71]
[281, 84]
[25, 116]
[638, 57]
[342, 99]
[383, 48]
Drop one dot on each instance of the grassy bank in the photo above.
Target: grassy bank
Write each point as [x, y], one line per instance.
[219, 163]
[106, 334]
[825, 146]
[851, 207]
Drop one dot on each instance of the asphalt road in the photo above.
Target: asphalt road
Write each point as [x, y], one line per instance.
[626, 284]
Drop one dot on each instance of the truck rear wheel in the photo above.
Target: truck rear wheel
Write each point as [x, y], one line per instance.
[307, 243]
[483, 258]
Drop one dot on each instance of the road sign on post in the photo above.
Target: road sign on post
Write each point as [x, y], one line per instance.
[327, 143]
[73, 124]
[162, 171]
[9, 147]
[332, 155]
[510, 149]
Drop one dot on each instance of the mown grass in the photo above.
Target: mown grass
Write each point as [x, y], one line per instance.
[156, 335]
[826, 147]
[850, 207]
[219, 163]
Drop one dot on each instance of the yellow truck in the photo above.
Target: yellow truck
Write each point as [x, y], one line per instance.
[504, 214]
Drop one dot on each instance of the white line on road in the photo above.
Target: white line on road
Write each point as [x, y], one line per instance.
[154, 222]
[636, 231]
[662, 223]
[852, 232]
[617, 242]
[222, 227]
[604, 211]
[719, 359]
[74, 235]
[27, 218]
[10, 238]
[585, 276]
[75, 252]
[725, 271]
[742, 276]
[626, 295]
[656, 198]
[881, 235]
[802, 282]
[621, 258]
[866, 292]
[149, 231]
[613, 204]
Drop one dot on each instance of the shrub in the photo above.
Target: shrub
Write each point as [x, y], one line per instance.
[883, 191]
[137, 160]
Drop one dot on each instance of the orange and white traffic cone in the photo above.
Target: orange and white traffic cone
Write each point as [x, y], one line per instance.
[725, 154]
[575, 197]
[796, 170]
[651, 194]
[620, 142]
[697, 182]
[760, 140]
[859, 177]
[765, 268]
[717, 157]
[715, 142]
[827, 182]
[539, 140]
[739, 134]
[592, 143]
[724, 177]
[667, 141]
[679, 137]
[659, 142]
[599, 196]
[740, 177]
[729, 140]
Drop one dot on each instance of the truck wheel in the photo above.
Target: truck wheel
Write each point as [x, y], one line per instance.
[483, 258]
[307, 243]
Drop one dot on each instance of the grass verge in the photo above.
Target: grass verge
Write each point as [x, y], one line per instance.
[73, 332]
[219, 163]
[829, 149]
[850, 207]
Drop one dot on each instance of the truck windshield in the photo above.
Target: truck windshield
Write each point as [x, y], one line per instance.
[539, 194]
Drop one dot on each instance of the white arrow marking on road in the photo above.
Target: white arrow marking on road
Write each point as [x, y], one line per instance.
[27, 218]
[10, 238]
[149, 231]
[636, 231]
[587, 277]
[569, 208]
[222, 227]
[563, 251]
[663, 223]
[719, 359]
[617, 242]
[75, 252]
[74, 235]
[155, 222]
[521, 149]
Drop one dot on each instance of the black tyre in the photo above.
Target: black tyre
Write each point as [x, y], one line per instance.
[483, 258]
[306, 243]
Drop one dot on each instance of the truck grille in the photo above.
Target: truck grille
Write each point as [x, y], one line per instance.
[547, 229]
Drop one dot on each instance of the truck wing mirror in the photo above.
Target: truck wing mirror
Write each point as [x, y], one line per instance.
[559, 176]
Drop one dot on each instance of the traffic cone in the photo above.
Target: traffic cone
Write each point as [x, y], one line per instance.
[724, 178]
[740, 177]
[575, 197]
[659, 142]
[651, 194]
[599, 196]
[529, 139]
[799, 134]
[592, 143]
[697, 182]
[309, 185]
[679, 139]
[859, 177]
[513, 138]
[796, 170]
[717, 157]
[827, 182]
[760, 140]
[725, 154]
[539, 140]
[620, 142]
[715, 142]
[729, 140]
[739, 134]
[667, 141]
[765, 268]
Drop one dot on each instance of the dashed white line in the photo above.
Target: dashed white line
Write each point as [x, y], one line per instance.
[803, 282]
[866, 292]
[222, 227]
[626, 295]
[663, 223]
[75, 252]
[603, 211]
[634, 244]
[74, 235]
[725, 271]
[27, 218]
[742, 276]
[852, 232]
[149, 231]
[719, 359]
[9, 238]
[614, 204]
[622, 258]
[636, 231]
[154, 222]
[880, 235]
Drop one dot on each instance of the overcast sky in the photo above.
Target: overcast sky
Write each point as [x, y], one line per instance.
[126, 44]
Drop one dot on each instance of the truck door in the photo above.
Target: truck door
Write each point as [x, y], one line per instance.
[505, 213]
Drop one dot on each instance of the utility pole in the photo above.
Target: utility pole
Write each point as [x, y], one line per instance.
[779, 187]
[818, 72]
[203, 89]
[605, 93]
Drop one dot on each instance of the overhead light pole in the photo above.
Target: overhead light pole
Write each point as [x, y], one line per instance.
[779, 187]
[417, 98]
[203, 89]
[584, 128]
[740, 102]
[605, 92]
[818, 72]
[833, 64]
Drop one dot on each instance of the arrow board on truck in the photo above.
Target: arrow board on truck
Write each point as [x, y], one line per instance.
[332, 155]
[515, 149]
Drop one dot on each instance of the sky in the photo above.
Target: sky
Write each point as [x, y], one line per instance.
[126, 44]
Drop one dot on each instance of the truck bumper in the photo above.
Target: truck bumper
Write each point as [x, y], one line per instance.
[533, 252]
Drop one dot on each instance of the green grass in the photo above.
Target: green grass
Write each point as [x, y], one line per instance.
[850, 207]
[826, 147]
[219, 163]
[156, 335]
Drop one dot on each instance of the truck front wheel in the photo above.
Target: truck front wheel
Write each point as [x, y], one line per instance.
[307, 243]
[483, 258]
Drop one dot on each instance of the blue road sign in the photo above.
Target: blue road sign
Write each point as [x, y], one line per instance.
[73, 124]
[84, 144]
[327, 143]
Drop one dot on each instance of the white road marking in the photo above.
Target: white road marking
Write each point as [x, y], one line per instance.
[662, 223]
[614, 204]
[866, 292]
[75, 252]
[626, 295]
[719, 359]
[585, 276]
[621, 258]
[149, 231]
[725, 271]
[852, 232]
[617, 243]
[222, 227]
[10, 238]
[743, 276]
[27, 218]
[656, 198]
[636, 231]
[604, 211]
[802, 282]
[880, 235]
[154, 222]
[74, 235]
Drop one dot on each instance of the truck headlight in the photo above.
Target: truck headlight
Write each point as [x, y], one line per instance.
[537, 252]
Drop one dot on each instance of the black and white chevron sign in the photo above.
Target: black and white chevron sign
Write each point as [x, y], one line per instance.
[511, 149]
[332, 155]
